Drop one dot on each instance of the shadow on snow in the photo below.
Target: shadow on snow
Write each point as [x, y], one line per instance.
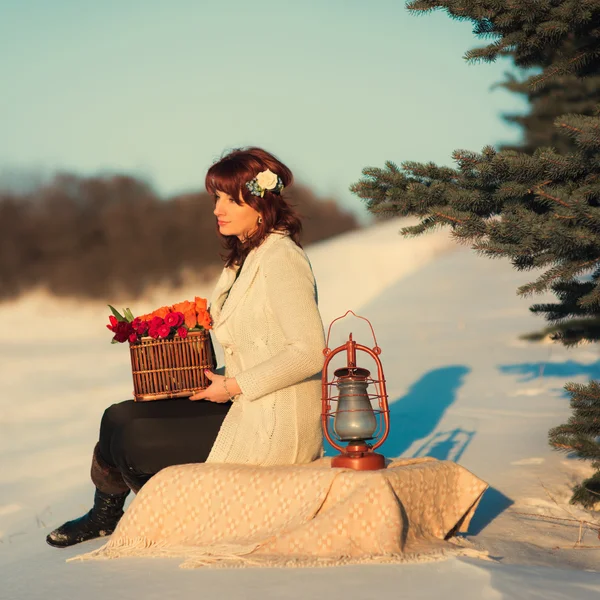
[568, 368]
[415, 416]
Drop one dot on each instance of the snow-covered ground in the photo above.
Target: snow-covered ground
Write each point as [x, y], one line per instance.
[462, 386]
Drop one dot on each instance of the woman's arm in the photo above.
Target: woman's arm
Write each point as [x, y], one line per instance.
[291, 294]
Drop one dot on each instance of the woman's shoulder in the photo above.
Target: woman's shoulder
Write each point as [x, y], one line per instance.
[280, 243]
[284, 259]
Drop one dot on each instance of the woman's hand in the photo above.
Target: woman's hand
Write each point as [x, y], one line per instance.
[216, 391]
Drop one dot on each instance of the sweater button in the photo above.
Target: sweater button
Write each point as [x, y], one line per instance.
[229, 350]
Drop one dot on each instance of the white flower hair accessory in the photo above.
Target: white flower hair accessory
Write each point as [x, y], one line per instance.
[265, 181]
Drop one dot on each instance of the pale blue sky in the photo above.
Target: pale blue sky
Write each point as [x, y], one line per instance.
[160, 89]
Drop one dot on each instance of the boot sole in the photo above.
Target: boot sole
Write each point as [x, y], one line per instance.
[66, 544]
[57, 544]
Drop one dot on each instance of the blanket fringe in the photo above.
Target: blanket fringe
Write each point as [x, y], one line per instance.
[142, 546]
[312, 562]
[236, 557]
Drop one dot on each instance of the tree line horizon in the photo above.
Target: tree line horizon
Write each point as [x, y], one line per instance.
[113, 237]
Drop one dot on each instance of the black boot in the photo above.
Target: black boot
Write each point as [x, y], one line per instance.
[100, 521]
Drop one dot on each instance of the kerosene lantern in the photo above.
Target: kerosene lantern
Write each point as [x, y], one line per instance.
[348, 416]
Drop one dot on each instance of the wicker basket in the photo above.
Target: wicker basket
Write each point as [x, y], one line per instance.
[172, 368]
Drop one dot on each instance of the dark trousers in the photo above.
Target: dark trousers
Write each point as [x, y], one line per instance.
[142, 438]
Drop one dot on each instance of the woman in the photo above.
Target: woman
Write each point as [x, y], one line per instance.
[265, 408]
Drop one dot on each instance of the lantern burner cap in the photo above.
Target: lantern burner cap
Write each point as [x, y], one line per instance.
[352, 373]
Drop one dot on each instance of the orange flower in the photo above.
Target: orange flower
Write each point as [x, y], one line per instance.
[161, 312]
[200, 304]
[190, 317]
[183, 306]
[206, 321]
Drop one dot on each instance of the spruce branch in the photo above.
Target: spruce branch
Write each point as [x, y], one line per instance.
[540, 192]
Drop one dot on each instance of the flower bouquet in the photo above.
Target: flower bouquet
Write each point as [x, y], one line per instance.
[169, 347]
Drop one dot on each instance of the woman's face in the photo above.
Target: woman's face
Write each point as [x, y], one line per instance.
[234, 219]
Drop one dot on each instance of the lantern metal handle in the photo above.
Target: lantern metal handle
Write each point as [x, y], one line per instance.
[327, 350]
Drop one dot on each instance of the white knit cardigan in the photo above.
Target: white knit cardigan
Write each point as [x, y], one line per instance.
[273, 340]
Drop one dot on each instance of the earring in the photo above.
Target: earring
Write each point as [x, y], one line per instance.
[259, 220]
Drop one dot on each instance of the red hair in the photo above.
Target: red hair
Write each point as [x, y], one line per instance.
[230, 175]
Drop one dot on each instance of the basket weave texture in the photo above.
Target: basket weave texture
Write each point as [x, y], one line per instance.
[172, 368]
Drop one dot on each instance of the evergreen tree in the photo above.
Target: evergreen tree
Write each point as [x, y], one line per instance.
[563, 95]
[541, 208]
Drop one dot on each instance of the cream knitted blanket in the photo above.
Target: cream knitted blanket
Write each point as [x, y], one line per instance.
[297, 515]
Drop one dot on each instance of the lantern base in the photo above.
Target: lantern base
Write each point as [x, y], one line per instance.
[358, 457]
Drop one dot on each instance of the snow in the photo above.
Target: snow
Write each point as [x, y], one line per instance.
[462, 386]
